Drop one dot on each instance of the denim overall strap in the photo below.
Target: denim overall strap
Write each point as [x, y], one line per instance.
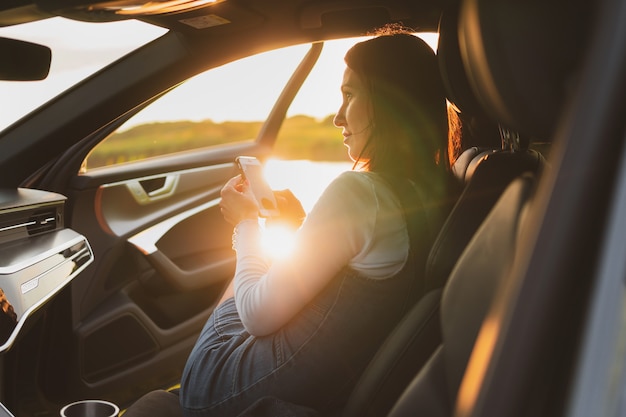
[423, 224]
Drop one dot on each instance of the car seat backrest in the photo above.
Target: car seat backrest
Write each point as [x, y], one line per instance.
[485, 170]
[520, 73]
[465, 303]
[491, 177]
[477, 275]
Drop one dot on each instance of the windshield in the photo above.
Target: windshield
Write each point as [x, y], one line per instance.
[79, 49]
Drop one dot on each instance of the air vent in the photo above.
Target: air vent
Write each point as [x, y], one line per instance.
[42, 221]
[25, 213]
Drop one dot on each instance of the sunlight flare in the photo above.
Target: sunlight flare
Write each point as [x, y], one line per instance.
[278, 241]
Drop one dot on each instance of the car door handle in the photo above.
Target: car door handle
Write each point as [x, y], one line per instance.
[168, 187]
[149, 190]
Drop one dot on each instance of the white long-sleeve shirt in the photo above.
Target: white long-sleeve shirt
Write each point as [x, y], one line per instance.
[357, 222]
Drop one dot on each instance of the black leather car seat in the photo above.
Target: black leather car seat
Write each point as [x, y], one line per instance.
[466, 300]
[488, 38]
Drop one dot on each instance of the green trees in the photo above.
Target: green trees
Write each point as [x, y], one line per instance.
[301, 137]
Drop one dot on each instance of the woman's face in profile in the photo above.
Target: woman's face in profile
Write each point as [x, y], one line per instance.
[354, 115]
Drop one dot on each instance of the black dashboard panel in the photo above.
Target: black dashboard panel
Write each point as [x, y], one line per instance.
[38, 255]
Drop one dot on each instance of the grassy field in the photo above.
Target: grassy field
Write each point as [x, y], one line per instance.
[301, 137]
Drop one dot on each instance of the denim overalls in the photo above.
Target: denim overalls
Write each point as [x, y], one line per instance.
[316, 359]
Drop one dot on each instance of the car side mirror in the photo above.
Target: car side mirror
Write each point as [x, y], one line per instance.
[23, 61]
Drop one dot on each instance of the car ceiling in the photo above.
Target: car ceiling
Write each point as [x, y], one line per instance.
[319, 19]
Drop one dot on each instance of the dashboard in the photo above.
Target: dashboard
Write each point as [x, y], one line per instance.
[38, 256]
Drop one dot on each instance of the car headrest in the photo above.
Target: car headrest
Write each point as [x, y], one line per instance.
[456, 83]
[477, 127]
[464, 167]
[521, 58]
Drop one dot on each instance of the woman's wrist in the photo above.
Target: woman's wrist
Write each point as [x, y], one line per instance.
[244, 233]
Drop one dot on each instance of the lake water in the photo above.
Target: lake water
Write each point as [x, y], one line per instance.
[306, 179]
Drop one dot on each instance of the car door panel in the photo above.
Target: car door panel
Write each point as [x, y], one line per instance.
[123, 207]
[163, 258]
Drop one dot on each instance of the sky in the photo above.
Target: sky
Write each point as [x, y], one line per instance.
[79, 49]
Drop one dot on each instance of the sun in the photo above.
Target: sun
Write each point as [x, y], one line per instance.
[278, 241]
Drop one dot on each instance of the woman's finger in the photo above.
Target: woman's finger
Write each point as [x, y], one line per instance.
[232, 183]
[237, 202]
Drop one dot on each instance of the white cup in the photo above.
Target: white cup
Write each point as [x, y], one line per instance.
[90, 408]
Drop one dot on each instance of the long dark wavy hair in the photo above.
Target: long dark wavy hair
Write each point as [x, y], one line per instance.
[409, 136]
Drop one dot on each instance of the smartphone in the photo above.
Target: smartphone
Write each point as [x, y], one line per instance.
[252, 170]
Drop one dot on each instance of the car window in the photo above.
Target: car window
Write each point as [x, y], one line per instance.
[228, 104]
[223, 105]
[79, 50]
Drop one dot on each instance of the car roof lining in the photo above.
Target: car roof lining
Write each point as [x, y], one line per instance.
[331, 18]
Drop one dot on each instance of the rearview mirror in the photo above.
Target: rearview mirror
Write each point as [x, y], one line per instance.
[23, 61]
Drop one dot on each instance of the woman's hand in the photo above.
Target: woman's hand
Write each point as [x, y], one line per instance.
[238, 202]
[291, 212]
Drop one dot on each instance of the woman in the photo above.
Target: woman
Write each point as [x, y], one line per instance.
[302, 330]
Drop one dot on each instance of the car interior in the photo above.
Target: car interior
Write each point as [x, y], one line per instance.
[109, 275]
